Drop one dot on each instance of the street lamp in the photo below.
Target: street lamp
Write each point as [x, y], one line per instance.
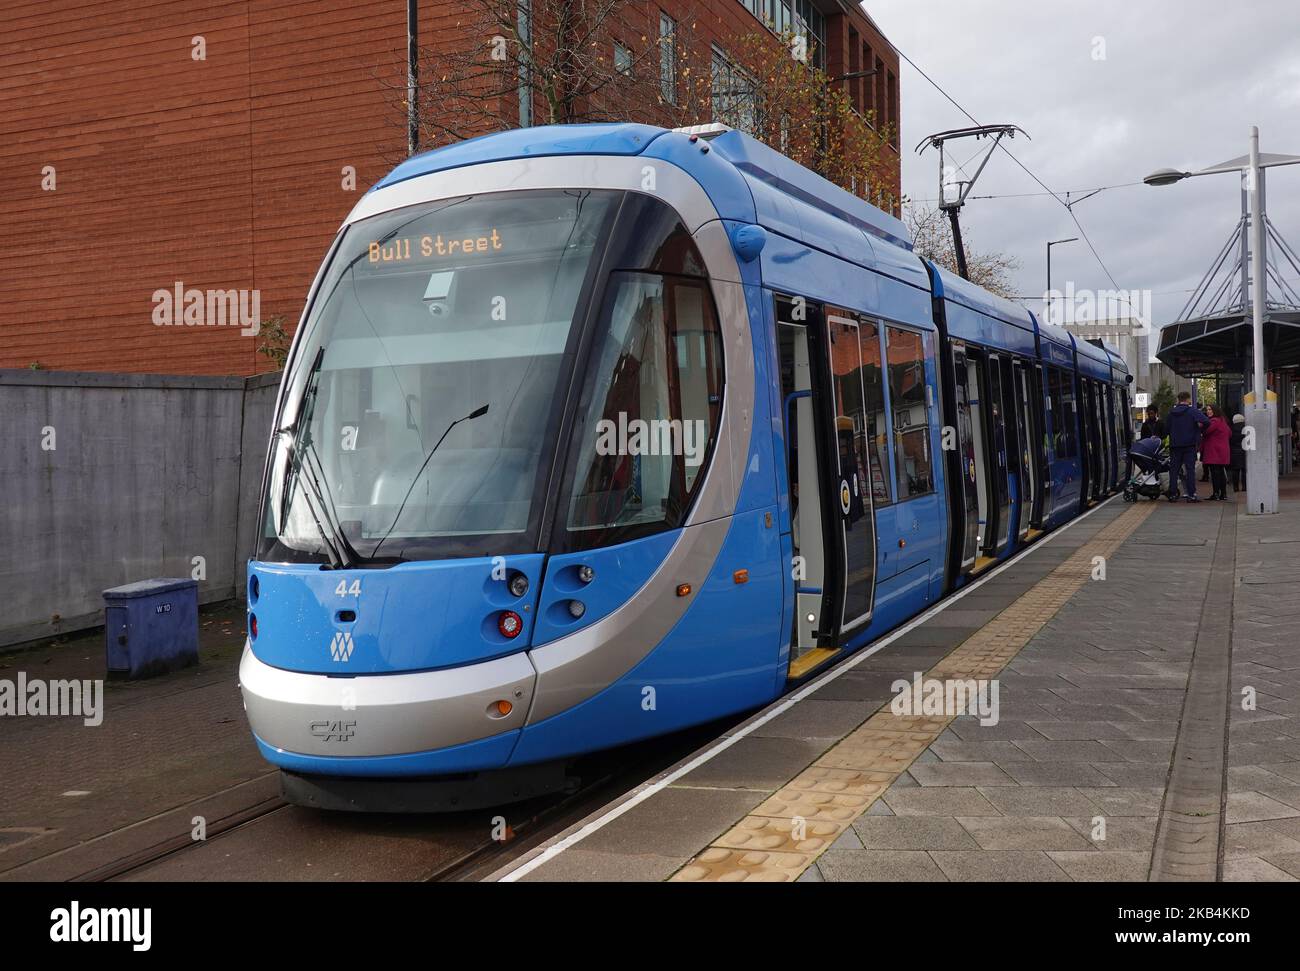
[1261, 465]
[1048, 294]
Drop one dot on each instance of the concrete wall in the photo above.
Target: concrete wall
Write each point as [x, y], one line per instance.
[111, 478]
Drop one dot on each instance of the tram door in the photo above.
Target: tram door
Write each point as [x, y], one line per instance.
[996, 413]
[1101, 458]
[855, 484]
[1090, 457]
[809, 566]
[969, 495]
[1017, 447]
[831, 511]
[1039, 414]
[1029, 437]
[1107, 405]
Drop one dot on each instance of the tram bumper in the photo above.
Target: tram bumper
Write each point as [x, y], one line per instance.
[460, 719]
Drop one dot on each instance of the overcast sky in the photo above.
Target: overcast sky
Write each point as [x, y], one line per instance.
[1181, 83]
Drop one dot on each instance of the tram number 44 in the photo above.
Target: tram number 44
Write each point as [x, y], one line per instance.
[344, 590]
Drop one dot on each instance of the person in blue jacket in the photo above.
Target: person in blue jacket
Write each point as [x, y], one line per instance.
[1184, 426]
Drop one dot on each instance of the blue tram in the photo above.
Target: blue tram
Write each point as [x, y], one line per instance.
[589, 434]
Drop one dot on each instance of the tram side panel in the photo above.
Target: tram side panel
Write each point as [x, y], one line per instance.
[891, 438]
[726, 653]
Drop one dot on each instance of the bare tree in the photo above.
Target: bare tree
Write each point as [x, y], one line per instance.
[932, 239]
[506, 62]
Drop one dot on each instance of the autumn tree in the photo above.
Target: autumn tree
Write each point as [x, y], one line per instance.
[931, 235]
[775, 92]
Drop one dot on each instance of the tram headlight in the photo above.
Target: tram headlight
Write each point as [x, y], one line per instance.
[586, 574]
[518, 585]
[577, 608]
[509, 624]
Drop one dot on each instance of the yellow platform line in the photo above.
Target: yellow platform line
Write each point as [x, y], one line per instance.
[788, 831]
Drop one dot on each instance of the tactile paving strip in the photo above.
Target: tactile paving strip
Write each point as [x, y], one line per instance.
[784, 835]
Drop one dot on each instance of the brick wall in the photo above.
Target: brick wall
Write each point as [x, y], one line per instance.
[222, 173]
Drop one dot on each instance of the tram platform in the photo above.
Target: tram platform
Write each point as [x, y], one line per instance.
[1147, 666]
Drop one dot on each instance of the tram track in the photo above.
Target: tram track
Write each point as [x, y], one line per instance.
[258, 835]
[180, 843]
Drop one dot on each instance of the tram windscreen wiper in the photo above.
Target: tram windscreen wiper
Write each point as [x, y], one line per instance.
[476, 413]
[341, 552]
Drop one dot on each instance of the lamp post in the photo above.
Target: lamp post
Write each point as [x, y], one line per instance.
[1048, 294]
[1261, 462]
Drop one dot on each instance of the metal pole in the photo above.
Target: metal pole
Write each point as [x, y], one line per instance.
[958, 249]
[1245, 250]
[1258, 268]
[1261, 465]
[412, 77]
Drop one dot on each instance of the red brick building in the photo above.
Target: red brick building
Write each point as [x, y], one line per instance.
[216, 145]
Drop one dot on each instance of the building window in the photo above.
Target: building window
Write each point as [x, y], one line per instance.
[668, 58]
[797, 17]
[892, 108]
[622, 60]
[868, 93]
[735, 95]
[878, 82]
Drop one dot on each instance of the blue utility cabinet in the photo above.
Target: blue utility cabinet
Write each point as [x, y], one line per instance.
[151, 627]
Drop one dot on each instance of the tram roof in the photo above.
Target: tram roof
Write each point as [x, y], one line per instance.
[745, 179]
[956, 289]
[1093, 360]
[1117, 362]
[594, 139]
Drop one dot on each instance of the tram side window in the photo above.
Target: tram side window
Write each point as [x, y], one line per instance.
[650, 412]
[911, 424]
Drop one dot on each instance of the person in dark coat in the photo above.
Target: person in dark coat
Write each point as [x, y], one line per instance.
[1153, 426]
[1237, 453]
[1215, 453]
[1183, 425]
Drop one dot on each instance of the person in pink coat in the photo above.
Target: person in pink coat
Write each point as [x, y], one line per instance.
[1215, 454]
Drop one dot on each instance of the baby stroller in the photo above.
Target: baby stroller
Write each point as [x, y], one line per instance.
[1150, 471]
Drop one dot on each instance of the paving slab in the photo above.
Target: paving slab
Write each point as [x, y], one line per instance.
[1103, 686]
